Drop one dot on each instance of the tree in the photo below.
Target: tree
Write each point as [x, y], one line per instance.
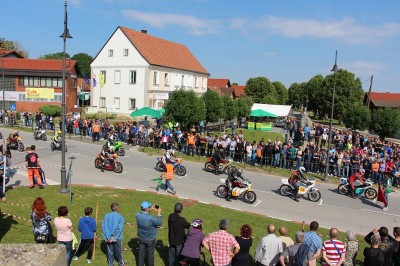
[281, 91]
[258, 88]
[230, 108]
[214, 106]
[297, 97]
[83, 60]
[55, 56]
[15, 46]
[357, 117]
[185, 108]
[49, 109]
[386, 122]
[243, 107]
[315, 94]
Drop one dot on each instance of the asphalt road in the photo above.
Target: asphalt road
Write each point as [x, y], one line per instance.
[333, 210]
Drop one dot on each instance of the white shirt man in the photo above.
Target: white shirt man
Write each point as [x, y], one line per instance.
[269, 248]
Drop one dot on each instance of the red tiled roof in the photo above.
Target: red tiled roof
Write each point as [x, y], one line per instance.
[4, 53]
[218, 83]
[385, 96]
[239, 90]
[37, 64]
[161, 52]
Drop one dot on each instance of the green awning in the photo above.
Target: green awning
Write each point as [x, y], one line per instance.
[261, 113]
[84, 96]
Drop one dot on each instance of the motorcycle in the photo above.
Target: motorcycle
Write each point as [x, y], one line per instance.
[308, 190]
[179, 169]
[40, 134]
[240, 189]
[395, 175]
[224, 165]
[111, 164]
[57, 146]
[17, 145]
[366, 189]
[117, 147]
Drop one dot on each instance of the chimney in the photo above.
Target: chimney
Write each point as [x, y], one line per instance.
[144, 31]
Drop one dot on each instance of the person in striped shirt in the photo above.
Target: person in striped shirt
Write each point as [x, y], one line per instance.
[333, 250]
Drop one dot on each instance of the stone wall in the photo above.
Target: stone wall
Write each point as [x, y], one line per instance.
[32, 255]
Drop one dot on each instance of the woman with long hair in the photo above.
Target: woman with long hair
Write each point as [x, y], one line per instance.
[245, 241]
[40, 221]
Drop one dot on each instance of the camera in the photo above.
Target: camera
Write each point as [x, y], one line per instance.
[156, 206]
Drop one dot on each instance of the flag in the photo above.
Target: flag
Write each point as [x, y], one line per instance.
[94, 81]
[381, 197]
[101, 80]
[85, 79]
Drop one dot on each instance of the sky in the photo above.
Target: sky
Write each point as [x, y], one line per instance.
[286, 41]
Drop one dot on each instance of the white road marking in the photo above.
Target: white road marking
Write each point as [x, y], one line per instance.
[320, 202]
[258, 202]
[121, 187]
[204, 202]
[381, 212]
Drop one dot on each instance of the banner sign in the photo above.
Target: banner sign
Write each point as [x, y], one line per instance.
[43, 93]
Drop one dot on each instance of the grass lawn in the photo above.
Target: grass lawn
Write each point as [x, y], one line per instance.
[18, 229]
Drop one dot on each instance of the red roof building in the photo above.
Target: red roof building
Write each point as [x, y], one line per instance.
[238, 91]
[382, 100]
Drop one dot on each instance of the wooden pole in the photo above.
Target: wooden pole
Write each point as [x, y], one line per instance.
[94, 238]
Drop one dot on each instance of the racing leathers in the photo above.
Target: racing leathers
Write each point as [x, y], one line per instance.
[232, 177]
[296, 179]
[353, 178]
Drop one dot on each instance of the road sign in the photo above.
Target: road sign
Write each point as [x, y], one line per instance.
[13, 107]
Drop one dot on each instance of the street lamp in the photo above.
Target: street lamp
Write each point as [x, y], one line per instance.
[65, 35]
[334, 70]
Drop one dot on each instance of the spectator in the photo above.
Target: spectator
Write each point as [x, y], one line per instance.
[286, 241]
[191, 249]
[33, 164]
[245, 241]
[40, 221]
[396, 254]
[113, 227]
[314, 241]
[87, 226]
[176, 233]
[387, 243]
[269, 248]
[374, 256]
[351, 249]
[223, 246]
[333, 250]
[64, 231]
[387, 188]
[299, 253]
[147, 231]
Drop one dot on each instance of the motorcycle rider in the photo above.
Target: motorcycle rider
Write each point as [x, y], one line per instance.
[13, 137]
[215, 158]
[358, 176]
[169, 157]
[107, 155]
[296, 180]
[37, 131]
[57, 138]
[232, 177]
[111, 139]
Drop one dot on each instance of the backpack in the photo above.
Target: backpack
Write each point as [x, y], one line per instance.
[300, 259]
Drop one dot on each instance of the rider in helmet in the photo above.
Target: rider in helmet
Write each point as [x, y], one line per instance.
[218, 154]
[57, 138]
[296, 180]
[358, 176]
[232, 177]
[169, 157]
[14, 136]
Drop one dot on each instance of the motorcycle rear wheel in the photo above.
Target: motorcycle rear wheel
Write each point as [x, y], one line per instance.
[370, 193]
[52, 146]
[160, 166]
[180, 170]
[342, 189]
[229, 169]
[314, 195]
[121, 151]
[209, 167]
[21, 147]
[118, 168]
[285, 190]
[222, 191]
[249, 197]
[97, 163]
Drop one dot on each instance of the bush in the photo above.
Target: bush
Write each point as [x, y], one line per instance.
[53, 110]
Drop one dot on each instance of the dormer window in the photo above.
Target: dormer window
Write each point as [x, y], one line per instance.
[110, 52]
[126, 52]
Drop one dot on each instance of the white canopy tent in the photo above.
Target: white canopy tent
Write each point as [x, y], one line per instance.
[279, 110]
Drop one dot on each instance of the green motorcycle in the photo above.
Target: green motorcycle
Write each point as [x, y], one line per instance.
[117, 147]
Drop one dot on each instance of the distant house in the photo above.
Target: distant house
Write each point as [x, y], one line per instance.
[379, 100]
[134, 69]
[10, 54]
[238, 91]
[220, 86]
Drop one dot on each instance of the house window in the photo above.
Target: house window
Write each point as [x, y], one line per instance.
[166, 79]
[36, 81]
[196, 82]
[132, 77]
[59, 82]
[103, 76]
[132, 104]
[116, 103]
[126, 52]
[183, 81]
[117, 77]
[102, 102]
[110, 52]
[155, 78]
[176, 80]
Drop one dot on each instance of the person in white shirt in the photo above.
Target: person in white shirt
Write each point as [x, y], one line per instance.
[269, 248]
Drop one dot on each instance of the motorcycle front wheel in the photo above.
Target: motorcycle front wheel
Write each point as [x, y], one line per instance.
[121, 151]
[249, 197]
[342, 189]
[229, 169]
[370, 193]
[209, 167]
[285, 190]
[97, 163]
[118, 167]
[160, 166]
[52, 146]
[222, 191]
[180, 170]
[44, 137]
[21, 146]
[314, 195]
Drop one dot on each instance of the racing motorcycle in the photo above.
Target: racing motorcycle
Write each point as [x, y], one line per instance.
[308, 190]
[366, 189]
[224, 165]
[16, 145]
[54, 145]
[39, 134]
[395, 175]
[179, 169]
[111, 163]
[240, 189]
[117, 147]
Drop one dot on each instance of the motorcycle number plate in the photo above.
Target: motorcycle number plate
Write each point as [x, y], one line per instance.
[302, 189]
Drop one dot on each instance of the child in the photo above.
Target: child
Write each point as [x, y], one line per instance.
[87, 226]
[387, 188]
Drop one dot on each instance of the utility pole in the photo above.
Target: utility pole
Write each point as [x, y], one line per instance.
[369, 92]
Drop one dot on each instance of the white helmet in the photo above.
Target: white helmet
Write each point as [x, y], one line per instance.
[362, 171]
[112, 137]
[171, 151]
[302, 169]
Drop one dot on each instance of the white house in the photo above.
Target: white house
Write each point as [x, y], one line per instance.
[134, 70]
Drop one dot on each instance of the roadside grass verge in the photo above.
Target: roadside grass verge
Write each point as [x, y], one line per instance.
[18, 228]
